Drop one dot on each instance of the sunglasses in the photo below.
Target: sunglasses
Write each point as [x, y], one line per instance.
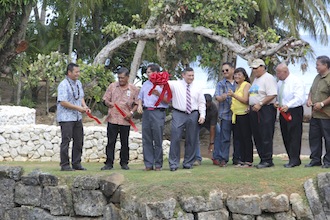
[225, 70]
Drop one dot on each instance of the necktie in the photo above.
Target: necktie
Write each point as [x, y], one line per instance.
[280, 95]
[188, 101]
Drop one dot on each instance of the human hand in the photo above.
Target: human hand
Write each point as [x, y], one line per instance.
[211, 147]
[284, 108]
[256, 107]
[201, 120]
[140, 109]
[309, 103]
[276, 105]
[230, 93]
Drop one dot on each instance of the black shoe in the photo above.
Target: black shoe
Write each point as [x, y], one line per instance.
[187, 167]
[107, 167]
[66, 168]
[174, 169]
[290, 165]
[236, 162]
[264, 165]
[326, 166]
[79, 167]
[124, 167]
[313, 164]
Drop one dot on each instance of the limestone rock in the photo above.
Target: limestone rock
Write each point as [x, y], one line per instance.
[214, 215]
[47, 179]
[14, 173]
[314, 200]
[58, 200]
[109, 184]
[246, 204]
[158, 210]
[27, 195]
[272, 203]
[111, 212]
[300, 210]
[242, 217]
[86, 182]
[7, 187]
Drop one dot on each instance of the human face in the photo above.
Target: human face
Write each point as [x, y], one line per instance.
[239, 77]
[188, 76]
[282, 72]
[149, 71]
[321, 68]
[122, 79]
[74, 74]
[227, 71]
[258, 71]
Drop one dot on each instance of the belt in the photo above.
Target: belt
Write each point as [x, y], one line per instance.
[153, 109]
[184, 111]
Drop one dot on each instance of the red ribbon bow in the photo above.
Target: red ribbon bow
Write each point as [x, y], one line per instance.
[93, 117]
[286, 115]
[124, 115]
[160, 78]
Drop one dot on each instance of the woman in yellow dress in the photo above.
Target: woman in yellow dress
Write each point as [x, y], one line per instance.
[240, 109]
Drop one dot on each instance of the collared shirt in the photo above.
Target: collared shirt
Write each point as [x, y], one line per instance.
[320, 91]
[125, 98]
[149, 101]
[261, 87]
[293, 94]
[70, 91]
[178, 88]
[224, 107]
[211, 117]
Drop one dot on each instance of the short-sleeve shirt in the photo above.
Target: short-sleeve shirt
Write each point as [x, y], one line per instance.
[261, 87]
[320, 91]
[70, 91]
[125, 98]
[224, 107]
[150, 100]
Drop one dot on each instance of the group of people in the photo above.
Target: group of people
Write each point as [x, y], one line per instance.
[246, 114]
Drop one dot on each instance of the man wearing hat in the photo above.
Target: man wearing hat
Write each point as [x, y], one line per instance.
[262, 113]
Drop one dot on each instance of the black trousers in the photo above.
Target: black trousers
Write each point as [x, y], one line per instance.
[112, 133]
[319, 129]
[291, 134]
[244, 134]
[263, 126]
[71, 130]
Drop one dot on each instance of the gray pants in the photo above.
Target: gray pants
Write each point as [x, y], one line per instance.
[180, 122]
[152, 137]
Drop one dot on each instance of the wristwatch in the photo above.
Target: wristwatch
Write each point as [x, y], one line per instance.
[322, 104]
[260, 103]
[132, 113]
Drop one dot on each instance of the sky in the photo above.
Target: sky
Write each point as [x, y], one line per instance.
[307, 77]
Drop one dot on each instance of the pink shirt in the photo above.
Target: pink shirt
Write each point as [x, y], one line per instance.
[125, 97]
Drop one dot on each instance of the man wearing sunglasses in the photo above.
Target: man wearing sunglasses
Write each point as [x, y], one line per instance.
[262, 93]
[225, 115]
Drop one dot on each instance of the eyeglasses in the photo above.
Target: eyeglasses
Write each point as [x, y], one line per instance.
[255, 67]
[225, 70]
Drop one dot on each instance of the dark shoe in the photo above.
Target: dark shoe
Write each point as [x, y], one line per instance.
[158, 169]
[173, 169]
[216, 162]
[187, 168]
[148, 168]
[107, 167]
[313, 165]
[67, 168]
[222, 163]
[288, 165]
[79, 167]
[236, 162]
[124, 167]
[264, 165]
[326, 166]
[197, 163]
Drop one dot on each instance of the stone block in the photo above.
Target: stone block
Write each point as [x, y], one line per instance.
[47, 179]
[58, 200]
[27, 195]
[111, 212]
[246, 204]
[109, 184]
[214, 215]
[314, 200]
[7, 188]
[299, 208]
[272, 203]
[158, 210]
[14, 173]
[86, 182]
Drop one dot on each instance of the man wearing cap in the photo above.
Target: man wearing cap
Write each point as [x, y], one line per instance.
[262, 113]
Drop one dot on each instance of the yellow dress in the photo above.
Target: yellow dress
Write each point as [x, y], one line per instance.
[237, 107]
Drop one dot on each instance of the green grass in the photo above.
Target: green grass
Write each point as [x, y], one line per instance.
[198, 181]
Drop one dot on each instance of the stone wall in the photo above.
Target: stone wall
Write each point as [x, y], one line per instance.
[42, 143]
[17, 115]
[40, 196]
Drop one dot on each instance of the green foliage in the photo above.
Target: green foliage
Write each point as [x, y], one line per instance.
[27, 102]
[115, 29]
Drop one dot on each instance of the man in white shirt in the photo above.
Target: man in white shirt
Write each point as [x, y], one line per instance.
[189, 110]
[290, 100]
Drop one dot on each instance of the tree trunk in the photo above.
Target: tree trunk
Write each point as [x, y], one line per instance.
[72, 25]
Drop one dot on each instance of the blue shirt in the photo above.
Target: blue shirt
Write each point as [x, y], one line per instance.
[224, 107]
[70, 91]
[149, 101]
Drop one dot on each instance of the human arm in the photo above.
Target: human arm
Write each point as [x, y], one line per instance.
[212, 135]
[265, 101]
[243, 99]
[68, 105]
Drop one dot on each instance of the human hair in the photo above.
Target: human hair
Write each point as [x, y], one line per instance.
[187, 69]
[70, 67]
[208, 97]
[242, 70]
[123, 70]
[324, 60]
[229, 64]
[154, 67]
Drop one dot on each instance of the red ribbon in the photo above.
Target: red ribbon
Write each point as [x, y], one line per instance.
[93, 117]
[160, 78]
[286, 115]
[124, 115]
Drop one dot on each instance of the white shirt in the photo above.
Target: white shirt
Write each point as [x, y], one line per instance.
[261, 87]
[293, 92]
[179, 91]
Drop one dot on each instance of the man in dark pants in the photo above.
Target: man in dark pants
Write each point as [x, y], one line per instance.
[291, 97]
[262, 112]
[122, 95]
[153, 122]
[188, 100]
[70, 105]
[319, 125]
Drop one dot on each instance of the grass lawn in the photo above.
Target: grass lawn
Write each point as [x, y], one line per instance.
[198, 181]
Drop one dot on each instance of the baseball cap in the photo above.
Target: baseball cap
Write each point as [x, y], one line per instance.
[257, 62]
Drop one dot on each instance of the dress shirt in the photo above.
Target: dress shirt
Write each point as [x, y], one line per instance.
[179, 88]
[224, 107]
[69, 91]
[149, 101]
[293, 94]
